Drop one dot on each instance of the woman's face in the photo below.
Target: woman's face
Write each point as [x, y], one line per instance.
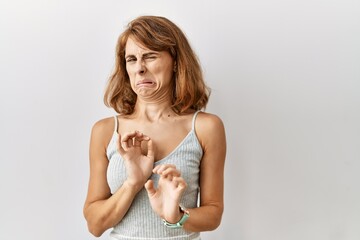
[150, 72]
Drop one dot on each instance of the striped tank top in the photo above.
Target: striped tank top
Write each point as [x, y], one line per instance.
[141, 222]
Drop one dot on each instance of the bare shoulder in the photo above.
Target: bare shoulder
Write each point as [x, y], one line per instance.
[103, 130]
[104, 124]
[207, 122]
[209, 127]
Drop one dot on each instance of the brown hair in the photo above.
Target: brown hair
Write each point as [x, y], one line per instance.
[158, 34]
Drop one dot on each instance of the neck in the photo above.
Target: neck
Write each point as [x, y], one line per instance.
[153, 111]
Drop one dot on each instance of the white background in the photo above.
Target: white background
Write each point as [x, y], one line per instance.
[286, 82]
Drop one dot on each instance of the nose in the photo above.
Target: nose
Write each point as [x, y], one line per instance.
[140, 67]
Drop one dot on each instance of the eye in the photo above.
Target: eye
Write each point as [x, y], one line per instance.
[130, 59]
[150, 56]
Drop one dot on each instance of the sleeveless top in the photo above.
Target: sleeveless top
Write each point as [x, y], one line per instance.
[141, 222]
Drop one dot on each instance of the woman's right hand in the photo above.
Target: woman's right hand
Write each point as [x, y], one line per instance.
[165, 199]
[138, 166]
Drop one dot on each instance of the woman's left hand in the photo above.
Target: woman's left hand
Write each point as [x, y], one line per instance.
[165, 199]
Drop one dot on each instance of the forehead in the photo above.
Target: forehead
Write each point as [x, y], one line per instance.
[134, 47]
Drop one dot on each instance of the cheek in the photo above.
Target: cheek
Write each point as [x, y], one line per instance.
[128, 69]
[165, 72]
[130, 72]
[131, 76]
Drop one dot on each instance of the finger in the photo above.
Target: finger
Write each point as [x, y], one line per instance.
[150, 149]
[166, 177]
[130, 142]
[128, 135]
[124, 143]
[182, 186]
[149, 186]
[179, 183]
[144, 137]
[170, 171]
[161, 168]
[138, 138]
[127, 139]
[141, 136]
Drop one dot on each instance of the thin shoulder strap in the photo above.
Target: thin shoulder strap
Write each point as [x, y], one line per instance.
[193, 120]
[116, 124]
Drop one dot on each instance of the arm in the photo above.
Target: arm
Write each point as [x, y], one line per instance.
[166, 198]
[211, 134]
[103, 210]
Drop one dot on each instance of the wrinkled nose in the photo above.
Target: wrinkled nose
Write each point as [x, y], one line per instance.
[140, 67]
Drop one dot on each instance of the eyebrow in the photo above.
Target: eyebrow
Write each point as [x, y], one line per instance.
[143, 55]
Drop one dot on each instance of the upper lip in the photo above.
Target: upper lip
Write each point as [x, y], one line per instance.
[144, 81]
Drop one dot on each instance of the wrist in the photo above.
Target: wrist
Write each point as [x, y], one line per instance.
[136, 187]
[185, 215]
[174, 218]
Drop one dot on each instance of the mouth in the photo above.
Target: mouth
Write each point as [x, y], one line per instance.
[145, 83]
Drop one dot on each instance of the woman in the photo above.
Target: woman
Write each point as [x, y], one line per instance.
[151, 163]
